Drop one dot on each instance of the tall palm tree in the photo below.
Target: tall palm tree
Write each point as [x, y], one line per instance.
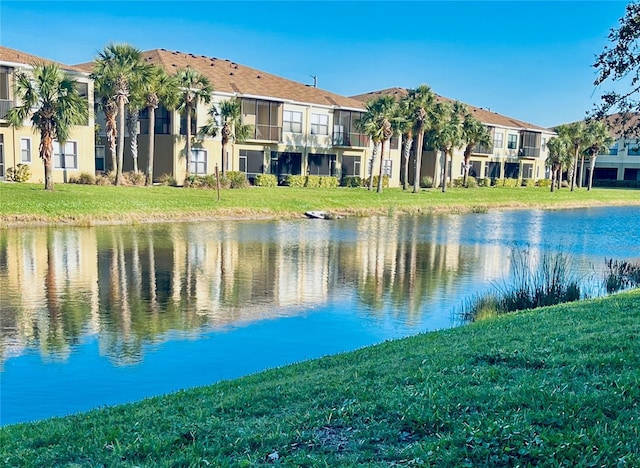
[558, 149]
[598, 141]
[576, 134]
[474, 133]
[48, 98]
[419, 105]
[226, 118]
[118, 67]
[379, 122]
[447, 133]
[195, 87]
[160, 87]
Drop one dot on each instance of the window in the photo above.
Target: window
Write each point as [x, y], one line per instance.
[65, 157]
[498, 140]
[292, 121]
[83, 91]
[100, 158]
[265, 117]
[527, 171]
[25, 150]
[512, 142]
[613, 150]
[394, 142]
[286, 163]
[633, 150]
[387, 164]
[319, 124]
[543, 146]
[5, 91]
[345, 132]
[163, 121]
[183, 123]
[322, 164]
[198, 163]
[251, 162]
[350, 166]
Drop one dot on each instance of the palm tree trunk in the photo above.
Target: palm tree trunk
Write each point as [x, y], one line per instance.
[372, 164]
[553, 178]
[188, 151]
[416, 176]
[46, 153]
[592, 166]
[225, 163]
[574, 171]
[132, 127]
[406, 153]
[444, 171]
[120, 140]
[381, 166]
[581, 171]
[152, 138]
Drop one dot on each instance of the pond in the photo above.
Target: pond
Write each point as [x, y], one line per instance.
[104, 315]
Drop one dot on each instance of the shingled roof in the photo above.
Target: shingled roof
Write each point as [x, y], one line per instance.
[231, 77]
[16, 56]
[485, 116]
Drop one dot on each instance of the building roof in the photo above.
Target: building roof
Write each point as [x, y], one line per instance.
[231, 77]
[484, 115]
[16, 56]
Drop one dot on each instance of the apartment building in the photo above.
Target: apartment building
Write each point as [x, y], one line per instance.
[622, 162]
[518, 151]
[21, 145]
[298, 129]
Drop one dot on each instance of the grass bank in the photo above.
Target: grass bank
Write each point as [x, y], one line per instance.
[86, 204]
[556, 386]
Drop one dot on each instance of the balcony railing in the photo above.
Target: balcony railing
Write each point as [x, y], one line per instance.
[350, 139]
[529, 152]
[481, 149]
[5, 105]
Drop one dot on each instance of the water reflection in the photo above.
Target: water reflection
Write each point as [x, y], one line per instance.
[317, 287]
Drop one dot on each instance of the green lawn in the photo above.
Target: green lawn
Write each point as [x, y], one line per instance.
[86, 204]
[558, 386]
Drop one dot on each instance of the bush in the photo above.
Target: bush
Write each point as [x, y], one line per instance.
[509, 183]
[106, 178]
[84, 178]
[295, 181]
[20, 173]
[265, 180]
[616, 183]
[458, 182]
[352, 181]
[385, 181]
[167, 179]
[312, 181]
[427, 182]
[237, 179]
[133, 178]
[328, 182]
[528, 183]
[471, 182]
[484, 182]
[544, 183]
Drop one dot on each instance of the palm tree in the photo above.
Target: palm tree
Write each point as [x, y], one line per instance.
[576, 134]
[474, 133]
[227, 119]
[379, 122]
[160, 87]
[419, 105]
[598, 141]
[447, 133]
[118, 68]
[195, 87]
[558, 148]
[51, 101]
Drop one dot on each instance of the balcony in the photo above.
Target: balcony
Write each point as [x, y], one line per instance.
[482, 149]
[5, 105]
[350, 139]
[529, 152]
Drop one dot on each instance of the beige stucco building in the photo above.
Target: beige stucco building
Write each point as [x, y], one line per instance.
[21, 145]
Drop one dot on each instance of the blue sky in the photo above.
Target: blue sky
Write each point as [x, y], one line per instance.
[529, 60]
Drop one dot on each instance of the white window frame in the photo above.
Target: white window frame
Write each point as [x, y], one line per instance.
[101, 154]
[198, 161]
[319, 124]
[25, 151]
[70, 160]
[291, 121]
[510, 136]
[496, 140]
[387, 167]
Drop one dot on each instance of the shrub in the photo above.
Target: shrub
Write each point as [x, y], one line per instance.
[328, 182]
[352, 181]
[621, 275]
[237, 179]
[265, 180]
[509, 182]
[472, 182]
[385, 181]
[427, 182]
[133, 178]
[167, 179]
[312, 181]
[295, 181]
[484, 182]
[528, 183]
[84, 178]
[20, 173]
[616, 183]
[458, 182]
[544, 183]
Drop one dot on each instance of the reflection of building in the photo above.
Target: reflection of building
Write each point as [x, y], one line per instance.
[20, 145]
[518, 151]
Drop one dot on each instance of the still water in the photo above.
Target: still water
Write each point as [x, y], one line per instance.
[103, 315]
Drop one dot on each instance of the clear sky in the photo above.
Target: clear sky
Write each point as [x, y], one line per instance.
[526, 59]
